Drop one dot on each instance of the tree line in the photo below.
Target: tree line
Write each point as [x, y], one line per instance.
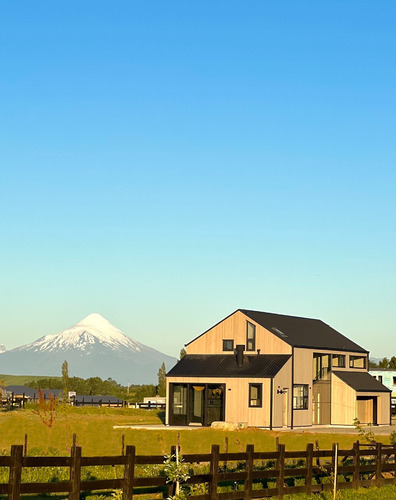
[385, 363]
[98, 387]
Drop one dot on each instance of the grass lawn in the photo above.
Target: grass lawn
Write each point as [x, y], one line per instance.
[21, 379]
[96, 436]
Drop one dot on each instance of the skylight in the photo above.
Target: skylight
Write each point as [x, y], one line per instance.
[279, 332]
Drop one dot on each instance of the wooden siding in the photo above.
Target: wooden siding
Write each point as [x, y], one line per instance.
[234, 327]
[303, 375]
[236, 398]
[282, 382]
[343, 398]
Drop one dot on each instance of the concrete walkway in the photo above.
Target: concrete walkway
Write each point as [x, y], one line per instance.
[380, 430]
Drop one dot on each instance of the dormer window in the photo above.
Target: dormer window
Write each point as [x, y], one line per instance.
[228, 345]
[250, 337]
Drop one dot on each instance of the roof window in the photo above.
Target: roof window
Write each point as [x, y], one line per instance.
[279, 332]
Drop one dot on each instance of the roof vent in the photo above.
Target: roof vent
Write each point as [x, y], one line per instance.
[279, 332]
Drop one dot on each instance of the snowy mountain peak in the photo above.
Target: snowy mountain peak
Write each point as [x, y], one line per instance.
[96, 321]
[90, 333]
[93, 347]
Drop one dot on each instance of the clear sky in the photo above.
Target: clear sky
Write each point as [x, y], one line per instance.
[165, 163]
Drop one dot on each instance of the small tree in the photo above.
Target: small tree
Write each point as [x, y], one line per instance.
[162, 380]
[384, 363]
[47, 411]
[65, 375]
[183, 352]
[392, 363]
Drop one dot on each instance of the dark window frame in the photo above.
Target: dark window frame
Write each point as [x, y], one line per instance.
[259, 399]
[250, 343]
[300, 402]
[338, 356]
[352, 359]
[224, 345]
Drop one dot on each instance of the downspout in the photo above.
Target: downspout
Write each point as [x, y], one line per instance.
[271, 401]
[291, 391]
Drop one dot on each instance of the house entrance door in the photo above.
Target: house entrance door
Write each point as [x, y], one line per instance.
[197, 404]
[215, 409]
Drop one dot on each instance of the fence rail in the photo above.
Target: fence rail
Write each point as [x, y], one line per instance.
[244, 475]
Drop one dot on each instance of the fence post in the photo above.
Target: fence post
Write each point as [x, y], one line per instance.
[225, 451]
[248, 472]
[356, 464]
[129, 473]
[25, 445]
[15, 472]
[123, 444]
[214, 472]
[75, 473]
[378, 464]
[281, 467]
[309, 465]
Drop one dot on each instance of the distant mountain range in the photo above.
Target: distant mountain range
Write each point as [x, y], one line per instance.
[93, 347]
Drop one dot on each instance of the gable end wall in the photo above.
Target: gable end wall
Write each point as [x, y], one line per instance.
[234, 327]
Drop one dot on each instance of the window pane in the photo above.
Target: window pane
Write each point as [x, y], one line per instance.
[228, 345]
[250, 337]
[255, 395]
[179, 399]
[300, 397]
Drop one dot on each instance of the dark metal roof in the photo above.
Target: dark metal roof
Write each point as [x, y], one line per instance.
[19, 390]
[361, 381]
[225, 365]
[96, 399]
[303, 332]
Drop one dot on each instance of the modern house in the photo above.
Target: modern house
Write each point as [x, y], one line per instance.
[271, 370]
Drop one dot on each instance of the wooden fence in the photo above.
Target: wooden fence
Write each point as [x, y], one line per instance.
[228, 476]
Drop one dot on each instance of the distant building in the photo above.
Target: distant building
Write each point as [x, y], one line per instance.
[386, 377]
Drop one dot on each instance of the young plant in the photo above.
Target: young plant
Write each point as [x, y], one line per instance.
[46, 410]
[367, 436]
[176, 472]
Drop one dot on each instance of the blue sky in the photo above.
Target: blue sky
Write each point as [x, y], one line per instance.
[165, 163]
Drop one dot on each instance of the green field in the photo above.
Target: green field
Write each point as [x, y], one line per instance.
[96, 435]
[21, 379]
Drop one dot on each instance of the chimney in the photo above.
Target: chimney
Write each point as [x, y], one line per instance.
[239, 354]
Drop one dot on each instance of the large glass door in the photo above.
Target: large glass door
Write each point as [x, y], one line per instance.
[215, 410]
[197, 404]
[179, 404]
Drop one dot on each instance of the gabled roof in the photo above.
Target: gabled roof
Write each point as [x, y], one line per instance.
[303, 332]
[299, 332]
[361, 381]
[225, 365]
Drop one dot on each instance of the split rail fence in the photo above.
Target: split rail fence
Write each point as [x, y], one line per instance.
[227, 476]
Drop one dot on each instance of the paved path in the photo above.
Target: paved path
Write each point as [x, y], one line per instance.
[383, 430]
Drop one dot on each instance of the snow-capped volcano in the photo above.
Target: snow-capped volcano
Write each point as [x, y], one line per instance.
[83, 335]
[93, 347]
